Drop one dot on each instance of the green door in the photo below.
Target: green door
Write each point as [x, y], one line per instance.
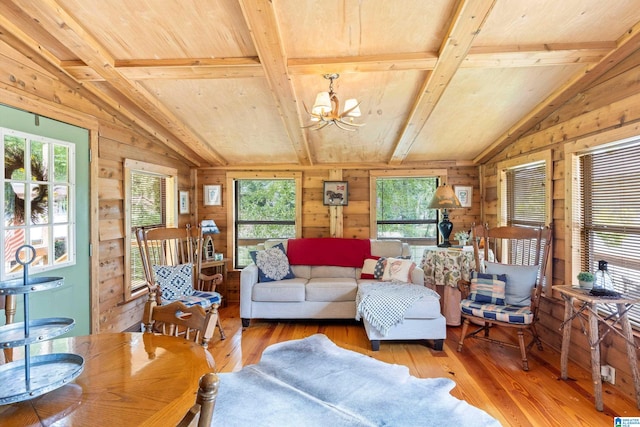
[71, 299]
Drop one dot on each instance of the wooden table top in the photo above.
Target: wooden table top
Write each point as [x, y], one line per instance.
[128, 379]
[584, 295]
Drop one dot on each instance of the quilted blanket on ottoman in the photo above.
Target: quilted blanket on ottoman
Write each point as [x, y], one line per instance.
[384, 304]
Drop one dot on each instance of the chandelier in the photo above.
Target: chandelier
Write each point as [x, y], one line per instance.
[326, 110]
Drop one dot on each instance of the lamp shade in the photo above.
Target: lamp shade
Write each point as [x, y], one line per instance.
[352, 103]
[444, 198]
[209, 227]
[322, 106]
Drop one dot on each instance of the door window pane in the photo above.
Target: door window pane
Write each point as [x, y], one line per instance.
[31, 165]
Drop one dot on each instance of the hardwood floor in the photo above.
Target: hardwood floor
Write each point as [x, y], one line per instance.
[487, 376]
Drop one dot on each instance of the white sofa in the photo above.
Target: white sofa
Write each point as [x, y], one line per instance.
[329, 292]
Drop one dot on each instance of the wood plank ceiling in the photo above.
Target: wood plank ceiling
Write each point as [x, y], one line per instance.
[226, 82]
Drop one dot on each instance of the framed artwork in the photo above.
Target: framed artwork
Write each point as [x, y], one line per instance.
[184, 202]
[213, 195]
[464, 194]
[335, 193]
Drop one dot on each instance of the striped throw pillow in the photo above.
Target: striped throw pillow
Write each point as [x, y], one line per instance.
[488, 288]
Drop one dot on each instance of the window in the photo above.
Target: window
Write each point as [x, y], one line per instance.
[42, 169]
[265, 207]
[526, 198]
[526, 191]
[526, 195]
[606, 206]
[402, 210]
[150, 193]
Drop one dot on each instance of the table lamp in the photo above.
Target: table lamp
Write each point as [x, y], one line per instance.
[208, 227]
[445, 198]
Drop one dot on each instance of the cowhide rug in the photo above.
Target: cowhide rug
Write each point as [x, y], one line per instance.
[313, 382]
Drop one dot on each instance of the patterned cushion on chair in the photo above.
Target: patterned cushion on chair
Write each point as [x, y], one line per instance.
[175, 281]
[502, 313]
[205, 299]
[488, 288]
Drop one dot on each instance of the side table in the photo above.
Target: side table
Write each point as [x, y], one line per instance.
[210, 267]
[594, 306]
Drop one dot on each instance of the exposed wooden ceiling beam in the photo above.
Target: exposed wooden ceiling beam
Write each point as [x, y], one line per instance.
[55, 19]
[469, 17]
[220, 68]
[13, 36]
[536, 55]
[352, 64]
[478, 57]
[263, 26]
[180, 69]
[626, 45]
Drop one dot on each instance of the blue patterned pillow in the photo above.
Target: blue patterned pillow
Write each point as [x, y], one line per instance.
[488, 288]
[272, 263]
[175, 281]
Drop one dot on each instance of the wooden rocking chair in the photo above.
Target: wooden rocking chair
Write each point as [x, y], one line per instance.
[171, 275]
[506, 293]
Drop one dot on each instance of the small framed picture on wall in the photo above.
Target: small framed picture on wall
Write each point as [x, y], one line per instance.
[184, 202]
[335, 193]
[212, 195]
[464, 194]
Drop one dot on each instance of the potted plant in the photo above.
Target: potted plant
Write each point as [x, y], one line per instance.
[586, 279]
[462, 237]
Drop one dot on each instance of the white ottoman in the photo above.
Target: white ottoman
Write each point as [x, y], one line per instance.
[422, 320]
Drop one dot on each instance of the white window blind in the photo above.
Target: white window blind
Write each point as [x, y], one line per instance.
[148, 200]
[609, 210]
[148, 208]
[526, 200]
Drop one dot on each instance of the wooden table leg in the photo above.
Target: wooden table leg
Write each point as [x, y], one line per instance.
[566, 337]
[10, 312]
[595, 357]
[631, 349]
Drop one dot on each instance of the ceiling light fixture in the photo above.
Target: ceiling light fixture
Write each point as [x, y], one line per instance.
[326, 110]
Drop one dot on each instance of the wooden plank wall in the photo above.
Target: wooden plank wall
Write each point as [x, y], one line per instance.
[116, 145]
[610, 103]
[46, 95]
[316, 217]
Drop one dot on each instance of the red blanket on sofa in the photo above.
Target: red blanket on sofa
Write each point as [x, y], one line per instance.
[328, 251]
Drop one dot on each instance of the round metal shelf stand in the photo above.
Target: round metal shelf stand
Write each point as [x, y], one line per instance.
[37, 375]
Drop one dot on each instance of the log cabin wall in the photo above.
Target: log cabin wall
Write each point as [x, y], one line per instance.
[115, 146]
[610, 103]
[316, 218]
[28, 86]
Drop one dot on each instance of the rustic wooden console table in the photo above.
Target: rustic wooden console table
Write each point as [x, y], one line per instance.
[594, 307]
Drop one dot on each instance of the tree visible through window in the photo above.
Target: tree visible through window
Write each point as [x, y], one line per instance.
[265, 209]
[402, 211]
[38, 199]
